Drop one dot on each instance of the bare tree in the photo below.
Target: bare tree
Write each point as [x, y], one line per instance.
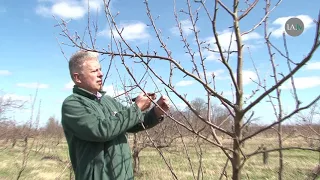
[232, 57]
[8, 126]
[8, 104]
[29, 132]
[309, 129]
[162, 136]
[54, 130]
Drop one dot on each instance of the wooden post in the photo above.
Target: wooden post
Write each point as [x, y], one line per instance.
[265, 156]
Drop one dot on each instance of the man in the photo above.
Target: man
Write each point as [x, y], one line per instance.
[95, 124]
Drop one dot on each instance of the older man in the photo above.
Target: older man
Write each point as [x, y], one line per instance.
[95, 124]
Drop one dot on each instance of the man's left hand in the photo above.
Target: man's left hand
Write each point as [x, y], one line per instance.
[164, 103]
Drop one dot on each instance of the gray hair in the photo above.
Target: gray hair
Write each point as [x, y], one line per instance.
[76, 61]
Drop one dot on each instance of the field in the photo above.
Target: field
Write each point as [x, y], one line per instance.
[47, 161]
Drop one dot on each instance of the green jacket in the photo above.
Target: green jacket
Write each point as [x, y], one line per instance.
[95, 131]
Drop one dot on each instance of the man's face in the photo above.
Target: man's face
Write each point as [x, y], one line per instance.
[90, 77]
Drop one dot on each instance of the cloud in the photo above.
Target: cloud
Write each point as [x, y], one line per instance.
[186, 27]
[217, 73]
[310, 66]
[181, 106]
[184, 83]
[5, 73]
[94, 4]
[16, 97]
[248, 76]
[111, 91]
[210, 56]
[277, 32]
[67, 9]
[130, 31]
[33, 85]
[225, 38]
[43, 11]
[303, 83]
[69, 85]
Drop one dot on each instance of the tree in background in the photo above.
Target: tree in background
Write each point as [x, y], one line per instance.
[9, 129]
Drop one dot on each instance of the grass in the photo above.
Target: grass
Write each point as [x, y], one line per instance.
[297, 163]
[36, 167]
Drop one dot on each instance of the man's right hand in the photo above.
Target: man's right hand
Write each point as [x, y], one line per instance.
[143, 102]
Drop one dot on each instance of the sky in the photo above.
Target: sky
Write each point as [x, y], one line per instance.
[33, 65]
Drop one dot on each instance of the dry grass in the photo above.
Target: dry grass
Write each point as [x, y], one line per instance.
[298, 163]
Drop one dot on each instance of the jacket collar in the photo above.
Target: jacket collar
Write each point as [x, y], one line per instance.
[85, 93]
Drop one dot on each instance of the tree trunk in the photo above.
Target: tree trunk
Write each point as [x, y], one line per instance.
[236, 165]
[280, 173]
[265, 156]
[14, 141]
[236, 171]
[136, 162]
[236, 159]
[135, 155]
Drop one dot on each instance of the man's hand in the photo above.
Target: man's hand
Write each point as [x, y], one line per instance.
[143, 102]
[164, 103]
